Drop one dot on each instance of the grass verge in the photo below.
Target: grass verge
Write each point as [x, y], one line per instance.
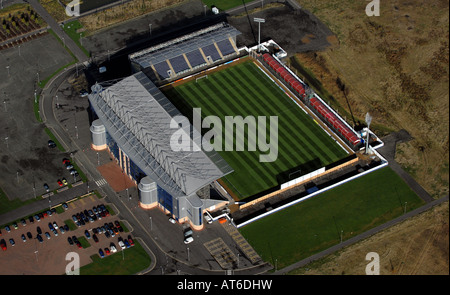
[316, 224]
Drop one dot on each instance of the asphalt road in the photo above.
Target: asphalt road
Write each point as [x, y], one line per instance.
[79, 54]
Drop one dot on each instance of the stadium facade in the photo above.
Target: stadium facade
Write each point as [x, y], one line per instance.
[132, 120]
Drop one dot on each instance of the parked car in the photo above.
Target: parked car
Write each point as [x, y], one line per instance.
[121, 245]
[39, 231]
[69, 166]
[101, 253]
[39, 238]
[94, 237]
[47, 235]
[208, 218]
[113, 248]
[69, 239]
[107, 251]
[171, 220]
[7, 228]
[23, 238]
[24, 223]
[51, 144]
[87, 234]
[31, 219]
[11, 241]
[65, 206]
[65, 161]
[64, 181]
[188, 240]
[3, 245]
[73, 172]
[50, 226]
[55, 225]
[130, 240]
[37, 218]
[60, 182]
[29, 235]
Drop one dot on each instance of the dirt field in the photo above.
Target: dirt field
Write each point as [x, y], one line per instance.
[394, 66]
[418, 246]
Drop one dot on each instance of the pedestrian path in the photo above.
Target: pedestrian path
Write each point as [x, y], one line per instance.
[248, 250]
[101, 182]
[221, 253]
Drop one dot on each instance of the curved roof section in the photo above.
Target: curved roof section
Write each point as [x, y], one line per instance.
[137, 116]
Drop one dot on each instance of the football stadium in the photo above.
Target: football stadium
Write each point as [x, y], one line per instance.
[205, 70]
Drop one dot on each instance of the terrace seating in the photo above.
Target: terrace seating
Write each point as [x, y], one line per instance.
[179, 64]
[320, 107]
[211, 51]
[225, 47]
[195, 58]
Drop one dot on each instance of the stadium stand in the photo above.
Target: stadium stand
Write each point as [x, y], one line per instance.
[187, 54]
[317, 106]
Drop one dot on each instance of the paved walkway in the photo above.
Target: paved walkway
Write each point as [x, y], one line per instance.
[389, 150]
[71, 45]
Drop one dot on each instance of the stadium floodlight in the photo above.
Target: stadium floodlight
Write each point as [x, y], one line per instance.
[368, 121]
[259, 21]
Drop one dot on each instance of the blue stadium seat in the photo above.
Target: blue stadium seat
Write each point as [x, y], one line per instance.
[225, 47]
[211, 51]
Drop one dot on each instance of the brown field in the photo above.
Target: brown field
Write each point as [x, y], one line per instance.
[417, 246]
[394, 66]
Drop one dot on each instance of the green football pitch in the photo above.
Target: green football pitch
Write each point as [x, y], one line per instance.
[245, 90]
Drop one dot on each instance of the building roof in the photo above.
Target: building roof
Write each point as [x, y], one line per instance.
[138, 117]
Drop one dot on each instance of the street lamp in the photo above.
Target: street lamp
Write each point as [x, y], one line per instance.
[259, 21]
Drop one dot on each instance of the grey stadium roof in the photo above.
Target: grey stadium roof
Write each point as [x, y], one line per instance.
[137, 116]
